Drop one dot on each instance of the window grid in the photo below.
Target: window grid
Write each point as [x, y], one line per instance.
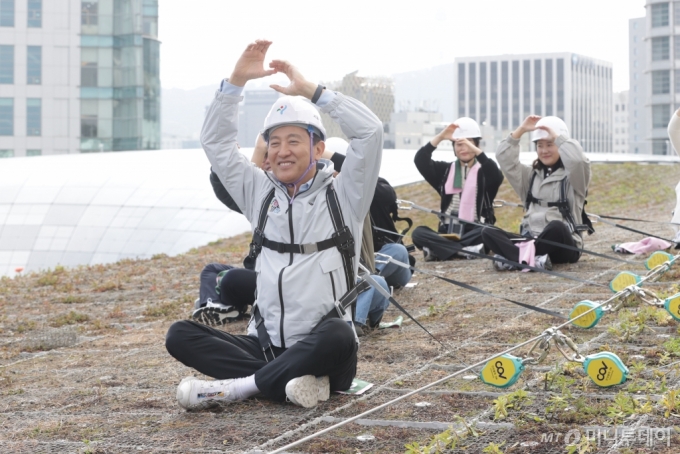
[660, 115]
[461, 89]
[661, 82]
[34, 14]
[34, 65]
[659, 15]
[33, 152]
[660, 48]
[6, 116]
[6, 13]
[33, 116]
[6, 64]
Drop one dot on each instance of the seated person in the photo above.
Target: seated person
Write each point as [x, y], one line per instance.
[298, 346]
[554, 189]
[467, 188]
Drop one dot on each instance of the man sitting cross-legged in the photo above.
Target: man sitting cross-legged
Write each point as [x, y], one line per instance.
[297, 345]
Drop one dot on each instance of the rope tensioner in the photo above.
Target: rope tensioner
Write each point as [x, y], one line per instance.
[605, 369]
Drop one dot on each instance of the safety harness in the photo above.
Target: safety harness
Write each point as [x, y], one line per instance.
[563, 205]
[342, 239]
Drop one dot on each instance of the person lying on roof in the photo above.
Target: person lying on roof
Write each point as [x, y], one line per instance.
[304, 222]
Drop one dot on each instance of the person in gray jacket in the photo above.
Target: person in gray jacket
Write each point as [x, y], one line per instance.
[554, 190]
[295, 348]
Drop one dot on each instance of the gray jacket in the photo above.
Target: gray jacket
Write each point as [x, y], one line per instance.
[293, 290]
[576, 170]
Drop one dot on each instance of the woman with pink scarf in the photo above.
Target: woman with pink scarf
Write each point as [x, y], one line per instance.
[467, 188]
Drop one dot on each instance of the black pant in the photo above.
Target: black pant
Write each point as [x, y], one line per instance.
[330, 349]
[442, 248]
[556, 231]
[236, 289]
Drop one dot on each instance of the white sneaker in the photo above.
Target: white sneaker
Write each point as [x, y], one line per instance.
[543, 262]
[477, 249]
[216, 314]
[500, 266]
[308, 390]
[193, 393]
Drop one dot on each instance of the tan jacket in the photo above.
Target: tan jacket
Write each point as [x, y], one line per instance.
[576, 170]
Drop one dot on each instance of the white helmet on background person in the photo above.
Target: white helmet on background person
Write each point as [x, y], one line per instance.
[467, 129]
[293, 111]
[555, 123]
[337, 145]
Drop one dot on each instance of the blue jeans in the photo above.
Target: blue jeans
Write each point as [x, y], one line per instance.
[371, 304]
[395, 275]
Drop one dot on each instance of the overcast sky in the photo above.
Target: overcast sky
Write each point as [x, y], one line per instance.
[201, 39]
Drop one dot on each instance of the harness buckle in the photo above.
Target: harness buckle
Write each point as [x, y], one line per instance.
[344, 241]
[309, 248]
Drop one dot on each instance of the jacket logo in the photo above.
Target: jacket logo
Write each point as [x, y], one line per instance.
[281, 109]
[274, 206]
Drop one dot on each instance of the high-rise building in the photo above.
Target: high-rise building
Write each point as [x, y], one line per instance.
[500, 91]
[655, 76]
[377, 93]
[638, 121]
[620, 122]
[252, 112]
[78, 76]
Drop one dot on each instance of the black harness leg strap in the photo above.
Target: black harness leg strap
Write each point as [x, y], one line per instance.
[262, 334]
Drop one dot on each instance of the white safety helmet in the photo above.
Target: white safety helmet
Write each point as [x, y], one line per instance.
[467, 129]
[337, 145]
[555, 123]
[293, 111]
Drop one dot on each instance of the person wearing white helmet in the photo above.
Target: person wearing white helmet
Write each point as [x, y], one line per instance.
[554, 191]
[304, 222]
[467, 188]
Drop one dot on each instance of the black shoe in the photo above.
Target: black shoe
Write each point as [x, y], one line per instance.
[359, 328]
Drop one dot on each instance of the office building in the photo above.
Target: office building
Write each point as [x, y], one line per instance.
[639, 124]
[620, 122]
[252, 112]
[78, 76]
[501, 91]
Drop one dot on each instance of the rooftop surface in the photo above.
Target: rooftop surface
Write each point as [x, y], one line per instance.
[83, 367]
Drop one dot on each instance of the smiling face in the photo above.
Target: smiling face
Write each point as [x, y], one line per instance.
[548, 152]
[288, 154]
[463, 152]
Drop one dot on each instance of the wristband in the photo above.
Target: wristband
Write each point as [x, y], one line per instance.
[317, 93]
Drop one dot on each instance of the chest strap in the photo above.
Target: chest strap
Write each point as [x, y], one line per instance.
[343, 240]
[562, 205]
[339, 310]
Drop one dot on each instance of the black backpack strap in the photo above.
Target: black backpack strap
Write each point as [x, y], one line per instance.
[342, 236]
[530, 195]
[258, 236]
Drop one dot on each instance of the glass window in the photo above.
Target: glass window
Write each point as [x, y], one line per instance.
[6, 116]
[483, 115]
[677, 81]
[6, 64]
[88, 74]
[515, 93]
[89, 13]
[33, 116]
[659, 15]
[504, 95]
[34, 65]
[33, 152]
[494, 94]
[461, 89]
[660, 48]
[676, 14]
[659, 146]
[472, 90]
[660, 115]
[34, 13]
[88, 126]
[6, 13]
[676, 42]
[560, 87]
[6, 153]
[538, 104]
[661, 82]
[549, 86]
[526, 90]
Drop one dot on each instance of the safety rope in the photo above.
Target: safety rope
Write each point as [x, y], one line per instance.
[541, 341]
[630, 229]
